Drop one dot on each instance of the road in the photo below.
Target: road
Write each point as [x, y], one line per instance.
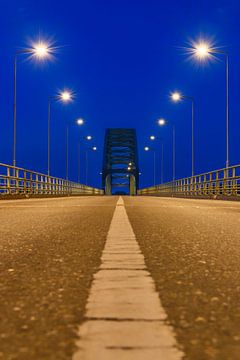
[192, 250]
[51, 248]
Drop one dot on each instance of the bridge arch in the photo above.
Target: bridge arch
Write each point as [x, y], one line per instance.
[120, 174]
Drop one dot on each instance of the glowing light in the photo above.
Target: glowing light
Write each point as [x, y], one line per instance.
[66, 96]
[202, 50]
[161, 122]
[89, 137]
[129, 168]
[152, 137]
[80, 121]
[146, 148]
[176, 96]
[94, 148]
[130, 164]
[41, 50]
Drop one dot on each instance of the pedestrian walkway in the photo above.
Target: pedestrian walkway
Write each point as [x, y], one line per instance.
[124, 316]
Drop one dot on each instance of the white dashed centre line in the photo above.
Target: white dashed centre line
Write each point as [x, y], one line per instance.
[124, 316]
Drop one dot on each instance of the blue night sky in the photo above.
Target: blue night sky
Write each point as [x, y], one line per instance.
[122, 58]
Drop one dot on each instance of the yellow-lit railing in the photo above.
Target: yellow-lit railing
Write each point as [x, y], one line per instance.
[17, 181]
[223, 182]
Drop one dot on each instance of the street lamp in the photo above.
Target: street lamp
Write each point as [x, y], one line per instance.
[88, 138]
[162, 122]
[176, 97]
[153, 138]
[146, 148]
[78, 122]
[93, 148]
[203, 51]
[64, 96]
[40, 51]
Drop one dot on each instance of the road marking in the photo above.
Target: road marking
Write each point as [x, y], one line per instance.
[124, 316]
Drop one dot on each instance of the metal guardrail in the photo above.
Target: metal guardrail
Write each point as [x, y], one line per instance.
[224, 182]
[19, 181]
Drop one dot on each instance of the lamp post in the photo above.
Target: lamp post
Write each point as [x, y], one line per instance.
[79, 122]
[176, 97]
[203, 51]
[94, 148]
[162, 122]
[39, 51]
[153, 138]
[146, 148]
[65, 97]
[88, 138]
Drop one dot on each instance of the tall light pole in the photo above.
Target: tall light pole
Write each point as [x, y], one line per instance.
[40, 51]
[146, 148]
[153, 138]
[79, 122]
[176, 97]
[94, 148]
[88, 138]
[162, 122]
[65, 97]
[203, 51]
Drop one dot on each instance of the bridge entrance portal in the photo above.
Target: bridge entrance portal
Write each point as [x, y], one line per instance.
[120, 174]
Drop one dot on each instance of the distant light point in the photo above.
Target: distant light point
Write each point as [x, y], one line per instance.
[176, 96]
[161, 122]
[80, 121]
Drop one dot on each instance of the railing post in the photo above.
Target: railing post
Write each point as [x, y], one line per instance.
[41, 185]
[225, 177]
[24, 182]
[31, 183]
[36, 187]
[210, 184]
[217, 183]
[205, 184]
[17, 181]
[234, 183]
[8, 180]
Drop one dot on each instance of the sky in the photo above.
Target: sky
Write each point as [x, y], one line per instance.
[121, 59]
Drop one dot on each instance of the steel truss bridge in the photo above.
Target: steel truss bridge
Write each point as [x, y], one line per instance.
[120, 174]
[120, 162]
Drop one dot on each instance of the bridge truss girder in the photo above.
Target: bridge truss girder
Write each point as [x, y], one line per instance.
[120, 150]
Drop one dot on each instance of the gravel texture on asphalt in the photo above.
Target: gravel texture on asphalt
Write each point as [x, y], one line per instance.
[49, 250]
[192, 249]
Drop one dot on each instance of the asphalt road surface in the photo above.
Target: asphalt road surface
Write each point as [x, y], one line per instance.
[192, 250]
[50, 249]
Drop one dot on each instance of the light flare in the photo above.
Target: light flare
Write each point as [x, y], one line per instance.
[41, 50]
[66, 96]
[202, 50]
[80, 121]
[161, 122]
[176, 96]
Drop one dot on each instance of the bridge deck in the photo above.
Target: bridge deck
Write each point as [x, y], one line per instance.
[51, 249]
